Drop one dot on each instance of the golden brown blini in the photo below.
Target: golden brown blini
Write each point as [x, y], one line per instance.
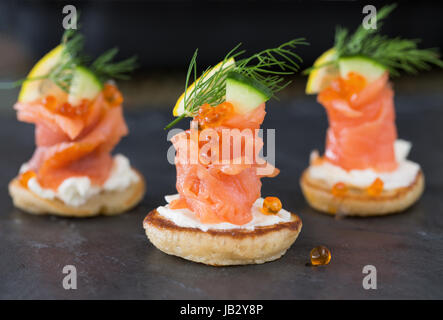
[356, 201]
[222, 247]
[106, 202]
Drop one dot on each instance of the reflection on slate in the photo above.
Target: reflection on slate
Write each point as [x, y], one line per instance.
[114, 259]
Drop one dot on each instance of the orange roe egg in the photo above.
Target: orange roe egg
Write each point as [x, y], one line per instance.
[271, 205]
[225, 108]
[375, 188]
[66, 109]
[112, 95]
[71, 111]
[25, 177]
[320, 256]
[339, 189]
[353, 84]
[345, 88]
[213, 116]
[50, 103]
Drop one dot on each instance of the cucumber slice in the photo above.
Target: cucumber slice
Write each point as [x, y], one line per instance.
[84, 85]
[367, 67]
[245, 93]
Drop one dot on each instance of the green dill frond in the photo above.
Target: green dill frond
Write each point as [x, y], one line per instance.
[61, 74]
[72, 56]
[350, 45]
[269, 67]
[396, 54]
[104, 67]
[401, 54]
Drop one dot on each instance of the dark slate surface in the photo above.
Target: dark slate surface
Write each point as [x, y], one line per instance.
[115, 260]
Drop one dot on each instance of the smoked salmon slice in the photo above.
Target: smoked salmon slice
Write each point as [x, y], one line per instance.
[362, 129]
[37, 113]
[220, 192]
[73, 146]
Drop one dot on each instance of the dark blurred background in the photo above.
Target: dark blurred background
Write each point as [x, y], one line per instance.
[164, 35]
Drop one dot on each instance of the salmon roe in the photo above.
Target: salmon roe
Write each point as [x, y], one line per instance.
[71, 111]
[345, 88]
[66, 109]
[339, 189]
[320, 256]
[271, 205]
[50, 103]
[213, 116]
[112, 95]
[375, 188]
[25, 177]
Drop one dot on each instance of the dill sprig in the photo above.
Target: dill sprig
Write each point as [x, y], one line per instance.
[72, 56]
[396, 54]
[104, 68]
[267, 67]
[61, 74]
[271, 65]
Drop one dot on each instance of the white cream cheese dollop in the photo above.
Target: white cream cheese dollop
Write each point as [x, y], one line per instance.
[187, 219]
[403, 176]
[76, 191]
